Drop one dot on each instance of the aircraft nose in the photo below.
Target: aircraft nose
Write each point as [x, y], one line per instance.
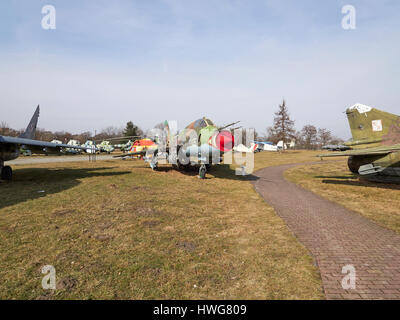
[224, 141]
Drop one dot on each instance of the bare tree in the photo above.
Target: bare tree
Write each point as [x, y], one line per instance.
[109, 132]
[298, 137]
[4, 128]
[44, 135]
[160, 125]
[83, 137]
[336, 141]
[309, 136]
[324, 136]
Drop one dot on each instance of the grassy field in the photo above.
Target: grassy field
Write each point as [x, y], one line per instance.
[117, 230]
[379, 202]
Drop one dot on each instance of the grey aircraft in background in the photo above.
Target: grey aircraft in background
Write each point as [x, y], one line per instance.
[10, 146]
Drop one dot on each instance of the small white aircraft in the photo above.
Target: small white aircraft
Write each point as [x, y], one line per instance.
[242, 148]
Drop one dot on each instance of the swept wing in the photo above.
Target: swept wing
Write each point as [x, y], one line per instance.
[37, 144]
[364, 152]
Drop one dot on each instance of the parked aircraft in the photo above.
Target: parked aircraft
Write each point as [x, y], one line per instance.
[266, 146]
[242, 148]
[334, 147]
[284, 146]
[375, 142]
[72, 150]
[269, 146]
[201, 144]
[10, 146]
[141, 145]
[89, 147]
[122, 146]
[106, 146]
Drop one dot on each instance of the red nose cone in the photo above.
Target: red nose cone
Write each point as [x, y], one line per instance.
[224, 141]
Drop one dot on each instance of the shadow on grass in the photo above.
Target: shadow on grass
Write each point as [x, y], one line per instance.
[337, 177]
[382, 184]
[224, 171]
[221, 171]
[34, 183]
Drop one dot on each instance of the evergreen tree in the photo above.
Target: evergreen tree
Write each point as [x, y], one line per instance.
[132, 130]
[283, 128]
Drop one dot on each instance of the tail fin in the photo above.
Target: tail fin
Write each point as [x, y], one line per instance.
[31, 128]
[369, 125]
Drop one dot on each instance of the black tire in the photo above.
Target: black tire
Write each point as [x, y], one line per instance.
[6, 173]
[353, 166]
[202, 172]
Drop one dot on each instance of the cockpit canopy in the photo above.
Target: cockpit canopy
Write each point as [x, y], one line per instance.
[201, 123]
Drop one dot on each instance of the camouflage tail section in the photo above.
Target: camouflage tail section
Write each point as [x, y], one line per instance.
[371, 127]
[31, 128]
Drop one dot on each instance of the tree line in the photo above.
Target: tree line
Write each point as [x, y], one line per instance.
[309, 137]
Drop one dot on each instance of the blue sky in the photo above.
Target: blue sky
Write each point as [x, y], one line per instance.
[108, 62]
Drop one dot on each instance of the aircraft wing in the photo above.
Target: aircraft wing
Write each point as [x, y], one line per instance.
[36, 143]
[364, 152]
[138, 153]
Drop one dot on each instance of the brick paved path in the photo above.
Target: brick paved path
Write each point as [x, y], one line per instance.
[336, 237]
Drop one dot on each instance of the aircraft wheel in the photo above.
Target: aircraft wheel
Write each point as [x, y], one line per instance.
[353, 165]
[202, 172]
[6, 173]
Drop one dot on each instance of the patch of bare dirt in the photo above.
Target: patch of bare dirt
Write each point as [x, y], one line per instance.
[67, 283]
[186, 246]
[150, 223]
[146, 212]
[103, 237]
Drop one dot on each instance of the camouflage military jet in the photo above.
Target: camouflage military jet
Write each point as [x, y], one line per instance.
[10, 146]
[200, 144]
[375, 144]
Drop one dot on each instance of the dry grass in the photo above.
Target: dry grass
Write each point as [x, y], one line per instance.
[117, 230]
[376, 201]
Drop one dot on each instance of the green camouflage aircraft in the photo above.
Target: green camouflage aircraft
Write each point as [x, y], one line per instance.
[200, 144]
[106, 146]
[122, 146]
[375, 144]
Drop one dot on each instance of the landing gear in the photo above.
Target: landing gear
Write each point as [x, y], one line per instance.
[6, 173]
[154, 161]
[202, 171]
[153, 165]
